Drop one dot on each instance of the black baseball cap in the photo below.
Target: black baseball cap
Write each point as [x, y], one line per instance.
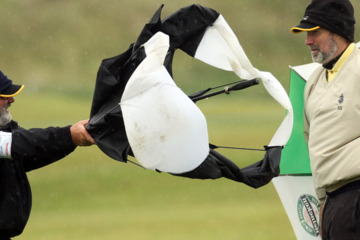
[337, 16]
[7, 88]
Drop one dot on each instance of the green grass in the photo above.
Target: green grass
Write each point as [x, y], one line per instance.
[55, 48]
[90, 196]
[59, 45]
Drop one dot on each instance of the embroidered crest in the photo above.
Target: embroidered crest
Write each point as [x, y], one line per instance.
[340, 101]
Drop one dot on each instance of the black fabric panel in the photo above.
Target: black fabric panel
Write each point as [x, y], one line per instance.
[260, 173]
[106, 123]
[256, 175]
[150, 29]
[187, 26]
[110, 136]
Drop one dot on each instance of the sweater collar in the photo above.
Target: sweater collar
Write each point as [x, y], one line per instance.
[337, 62]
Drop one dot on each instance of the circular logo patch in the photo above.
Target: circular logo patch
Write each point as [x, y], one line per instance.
[308, 208]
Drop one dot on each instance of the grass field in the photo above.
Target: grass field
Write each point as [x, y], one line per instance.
[90, 196]
[55, 48]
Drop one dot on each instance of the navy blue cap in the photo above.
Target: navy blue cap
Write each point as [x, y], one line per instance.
[7, 88]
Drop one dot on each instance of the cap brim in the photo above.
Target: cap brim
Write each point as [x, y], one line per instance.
[304, 27]
[12, 90]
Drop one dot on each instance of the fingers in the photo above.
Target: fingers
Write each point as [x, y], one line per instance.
[80, 135]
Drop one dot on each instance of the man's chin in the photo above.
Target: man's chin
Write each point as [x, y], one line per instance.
[4, 122]
[317, 58]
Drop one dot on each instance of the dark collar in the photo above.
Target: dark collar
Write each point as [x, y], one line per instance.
[330, 65]
[9, 127]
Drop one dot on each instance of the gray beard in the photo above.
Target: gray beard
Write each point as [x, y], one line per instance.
[5, 116]
[324, 58]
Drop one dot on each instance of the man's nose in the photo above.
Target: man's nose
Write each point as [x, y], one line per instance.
[309, 40]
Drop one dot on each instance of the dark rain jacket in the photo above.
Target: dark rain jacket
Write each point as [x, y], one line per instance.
[31, 149]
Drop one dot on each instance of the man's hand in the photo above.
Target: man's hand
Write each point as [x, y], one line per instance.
[79, 135]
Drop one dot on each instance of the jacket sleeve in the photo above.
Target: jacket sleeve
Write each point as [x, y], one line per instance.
[39, 147]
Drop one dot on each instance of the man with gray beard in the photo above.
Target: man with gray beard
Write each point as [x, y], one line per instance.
[24, 150]
[332, 115]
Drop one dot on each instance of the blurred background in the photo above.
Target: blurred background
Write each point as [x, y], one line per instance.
[55, 48]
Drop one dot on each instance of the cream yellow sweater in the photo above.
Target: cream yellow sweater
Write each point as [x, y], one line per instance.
[332, 125]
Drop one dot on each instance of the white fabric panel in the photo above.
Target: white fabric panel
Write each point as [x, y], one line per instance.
[291, 190]
[276, 90]
[305, 71]
[165, 129]
[5, 144]
[215, 51]
[221, 48]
